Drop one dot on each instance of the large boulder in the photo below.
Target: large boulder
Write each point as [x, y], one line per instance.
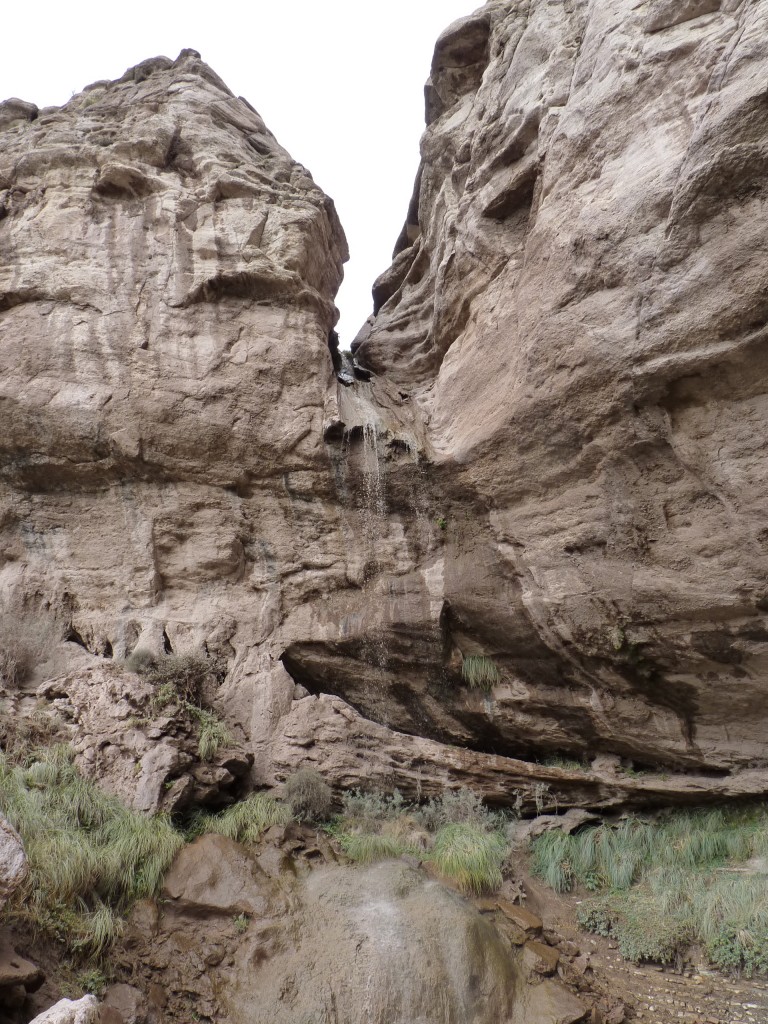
[70, 1011]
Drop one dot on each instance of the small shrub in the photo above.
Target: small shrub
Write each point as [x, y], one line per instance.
[20, 735]
[241, 923]
[182, 680]
[166, 694]
[470, 856]
[456, 807]
[184, 675]
[366, 809]
[739, 951]
[92, 980]
[141, 660]
[246, 820]
[308, 795]
[479, 672]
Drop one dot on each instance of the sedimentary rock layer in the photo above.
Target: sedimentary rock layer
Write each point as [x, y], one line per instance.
[577, 309]
[557, 464]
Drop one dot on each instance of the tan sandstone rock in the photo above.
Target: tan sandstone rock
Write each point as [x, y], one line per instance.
[13, 861]
[576, 312]
[557, 464]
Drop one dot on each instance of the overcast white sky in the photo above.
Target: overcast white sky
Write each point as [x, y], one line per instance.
[339, 82]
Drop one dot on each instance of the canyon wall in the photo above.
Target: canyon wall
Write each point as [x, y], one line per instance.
[548, 452]
[577, 309]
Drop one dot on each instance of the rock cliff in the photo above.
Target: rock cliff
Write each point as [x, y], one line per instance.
[513, 541]
[547, 453]
[576, 312]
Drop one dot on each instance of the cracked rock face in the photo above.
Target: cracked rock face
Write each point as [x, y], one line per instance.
[577, 307]
[557, 463]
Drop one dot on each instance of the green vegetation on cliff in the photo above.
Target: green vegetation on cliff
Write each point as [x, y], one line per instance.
[90, 857]
[461, 839]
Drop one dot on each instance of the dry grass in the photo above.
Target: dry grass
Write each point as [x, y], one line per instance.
[90, 857]
[308, 795]
[666, 884]
[480, 672]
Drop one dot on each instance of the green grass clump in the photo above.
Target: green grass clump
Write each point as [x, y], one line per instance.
[367, 847]
[213, 734]
[90, 857]
[479, 672]
[664, 885]
[470, 856]
[245, 821]
[455, 832]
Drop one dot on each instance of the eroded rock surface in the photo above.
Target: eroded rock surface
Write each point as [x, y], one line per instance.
[577, 310]
[333, 942]
[556, 464]
[13, 861]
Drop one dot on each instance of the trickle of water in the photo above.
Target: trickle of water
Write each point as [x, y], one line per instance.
[379, 946]
[374, 505]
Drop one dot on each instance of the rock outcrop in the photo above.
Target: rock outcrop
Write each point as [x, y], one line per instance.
[71, 1011]
[242, 937]
[546, 454]
[13, 861]
[577, 311]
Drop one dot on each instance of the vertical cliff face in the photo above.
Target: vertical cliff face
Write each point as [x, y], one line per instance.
[167, 276]
[556, 464]
[577, 308]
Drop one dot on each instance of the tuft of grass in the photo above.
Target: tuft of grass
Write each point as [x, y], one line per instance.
[90, 857]
[664, 885]
[213, 734]
[98, 930]
[367, 847]
[479, 672]
[470, 856]
[244, 821]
